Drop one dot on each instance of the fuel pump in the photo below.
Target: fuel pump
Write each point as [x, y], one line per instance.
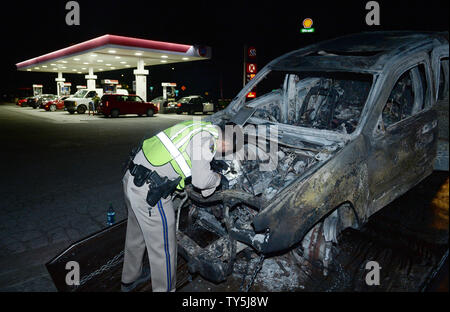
[37, 89]
[109, 85]
[65, 89]
[168, 94]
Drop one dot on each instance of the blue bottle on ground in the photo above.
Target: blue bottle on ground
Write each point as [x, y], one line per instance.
[111, 216]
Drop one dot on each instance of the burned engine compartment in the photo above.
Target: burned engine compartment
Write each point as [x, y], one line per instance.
[316, 113]
[291, 163]
[214, 229]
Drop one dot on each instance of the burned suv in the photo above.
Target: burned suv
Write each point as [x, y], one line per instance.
[340, 129]
[357, 126]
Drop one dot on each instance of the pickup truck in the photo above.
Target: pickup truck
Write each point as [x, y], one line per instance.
[79, 102]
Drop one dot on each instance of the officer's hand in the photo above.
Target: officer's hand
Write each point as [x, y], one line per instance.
[218, 165]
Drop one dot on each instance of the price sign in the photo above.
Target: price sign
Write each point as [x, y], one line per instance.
[251, 52]
[251, 68]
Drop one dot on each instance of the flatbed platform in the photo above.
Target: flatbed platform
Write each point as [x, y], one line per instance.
[408, 238]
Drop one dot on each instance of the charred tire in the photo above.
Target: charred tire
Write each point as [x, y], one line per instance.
[317, 244]
[115, 113]
[52, 108]
[149, 112]
[81, 109]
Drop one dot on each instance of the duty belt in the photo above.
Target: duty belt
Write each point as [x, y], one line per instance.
[158, 187]
[142, 174]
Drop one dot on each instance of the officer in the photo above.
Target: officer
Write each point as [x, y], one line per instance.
[161, 165]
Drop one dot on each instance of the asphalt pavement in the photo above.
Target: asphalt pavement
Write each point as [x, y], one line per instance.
[59, 173]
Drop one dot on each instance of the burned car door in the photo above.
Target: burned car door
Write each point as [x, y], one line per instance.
[404, 141]
[441, 78]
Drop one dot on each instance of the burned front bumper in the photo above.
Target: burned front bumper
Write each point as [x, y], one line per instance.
[214, 259]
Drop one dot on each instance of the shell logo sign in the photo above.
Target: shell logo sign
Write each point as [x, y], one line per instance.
[307, 25]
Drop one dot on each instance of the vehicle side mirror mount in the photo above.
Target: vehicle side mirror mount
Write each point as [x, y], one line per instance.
[379, 128]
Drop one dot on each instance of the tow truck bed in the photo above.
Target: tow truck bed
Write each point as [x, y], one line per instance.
[100, 257]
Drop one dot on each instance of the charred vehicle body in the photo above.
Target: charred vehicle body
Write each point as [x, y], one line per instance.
[358, 121]
[357, 128]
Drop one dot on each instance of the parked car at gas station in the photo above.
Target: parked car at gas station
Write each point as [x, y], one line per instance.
[165, 105]
[160, 102]
[36, 101]
[193, 104]
[79, 102]
[44, 99]
[56, 104]
[117, 104]
[22, 101]
[31, 101]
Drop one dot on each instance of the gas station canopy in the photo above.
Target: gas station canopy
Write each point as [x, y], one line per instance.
[110, 52]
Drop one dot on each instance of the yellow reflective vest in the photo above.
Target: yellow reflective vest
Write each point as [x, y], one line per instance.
[169, 146]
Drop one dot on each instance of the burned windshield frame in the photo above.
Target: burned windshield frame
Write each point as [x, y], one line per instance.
[332, 101]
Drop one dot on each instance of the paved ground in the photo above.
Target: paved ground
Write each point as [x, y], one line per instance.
[59, 173]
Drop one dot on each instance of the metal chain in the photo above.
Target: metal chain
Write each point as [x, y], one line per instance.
[106, 267]
[255, 272]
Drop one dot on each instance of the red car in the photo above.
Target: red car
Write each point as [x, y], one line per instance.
[118, 104]
[20, 101]
[55, 104]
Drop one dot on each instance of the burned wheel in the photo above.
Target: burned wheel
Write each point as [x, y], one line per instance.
[318, 245]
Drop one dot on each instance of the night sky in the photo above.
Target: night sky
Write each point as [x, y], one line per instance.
[33, 28]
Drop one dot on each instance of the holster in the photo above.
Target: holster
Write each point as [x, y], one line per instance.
[158, 187]
[162, 190]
